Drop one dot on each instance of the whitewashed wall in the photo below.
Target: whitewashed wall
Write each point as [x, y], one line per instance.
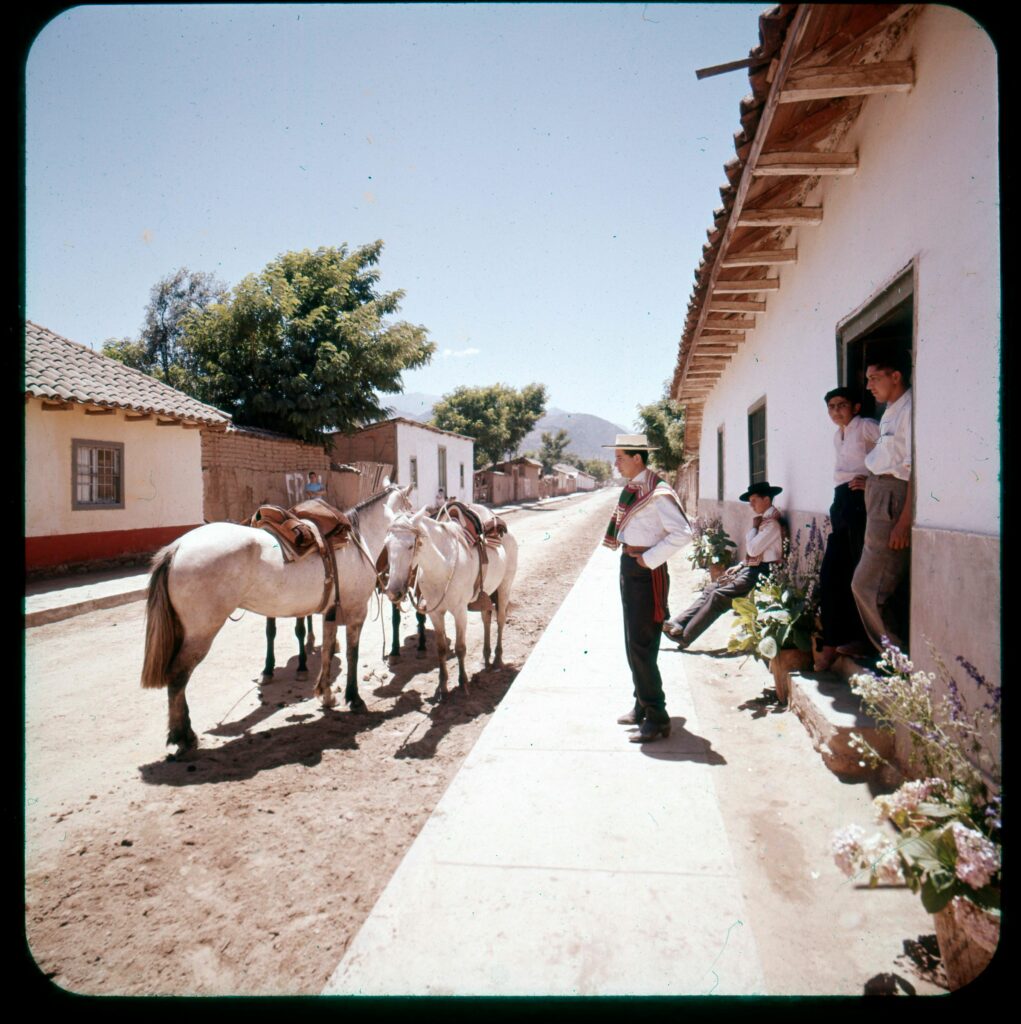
[424, 444]
[926, 190]
[162, 473]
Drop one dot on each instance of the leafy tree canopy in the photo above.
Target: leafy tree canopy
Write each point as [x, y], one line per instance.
[497, 416]
[554, 448]
[303, 346]
[663, 424]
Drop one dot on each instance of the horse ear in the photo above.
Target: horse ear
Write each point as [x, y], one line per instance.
[418, 516]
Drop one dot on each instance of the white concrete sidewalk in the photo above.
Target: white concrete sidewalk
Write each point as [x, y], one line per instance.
[564, 860]
[61, 598]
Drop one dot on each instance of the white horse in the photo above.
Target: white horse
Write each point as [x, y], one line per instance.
[203, 576]
[447, 568]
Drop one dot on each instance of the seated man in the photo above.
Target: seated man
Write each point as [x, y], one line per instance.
[763, 547]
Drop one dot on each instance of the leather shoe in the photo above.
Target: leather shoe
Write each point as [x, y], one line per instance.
[632, 717]
[649, 731]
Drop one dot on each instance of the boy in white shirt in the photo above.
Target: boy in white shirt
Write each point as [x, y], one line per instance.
[855, 437]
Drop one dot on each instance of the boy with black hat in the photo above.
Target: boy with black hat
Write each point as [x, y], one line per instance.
[763, 547]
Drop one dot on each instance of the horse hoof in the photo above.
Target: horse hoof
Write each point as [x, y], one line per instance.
[327, 700]
[267, 677]
[357, 704]
[301, 676]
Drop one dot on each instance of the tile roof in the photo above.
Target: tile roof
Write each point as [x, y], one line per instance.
[63, 370]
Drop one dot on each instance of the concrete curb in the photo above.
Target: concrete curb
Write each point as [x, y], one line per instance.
[42, 616]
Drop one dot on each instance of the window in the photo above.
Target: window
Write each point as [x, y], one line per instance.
[97, 474]
[757, 442]
[462, 476]
[442, 468]
[719, 463]
[413, 471]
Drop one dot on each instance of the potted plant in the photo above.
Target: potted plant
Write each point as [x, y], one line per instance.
[775, 622]
[948, 845]
[711, 546]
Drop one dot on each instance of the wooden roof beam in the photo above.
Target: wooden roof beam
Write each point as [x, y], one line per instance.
[805, 164]
[737, 306]
[137, 417]
[97, 410]
[749, 284]
[779, 216]
[701, 347]
[56, 405]
[738, 323]
[761, 258]
[718, 335]
[831, 81]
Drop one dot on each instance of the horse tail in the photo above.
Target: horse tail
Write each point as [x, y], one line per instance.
[162, 626]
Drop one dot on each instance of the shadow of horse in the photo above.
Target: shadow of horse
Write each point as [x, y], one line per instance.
[488, 688]
[302, 741]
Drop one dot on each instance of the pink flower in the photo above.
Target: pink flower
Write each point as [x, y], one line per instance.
[977, 858]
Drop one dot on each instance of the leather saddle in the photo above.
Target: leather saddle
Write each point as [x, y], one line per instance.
[482, 526]
[312, 525]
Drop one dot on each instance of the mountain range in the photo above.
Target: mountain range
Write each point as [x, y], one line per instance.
[588, 432]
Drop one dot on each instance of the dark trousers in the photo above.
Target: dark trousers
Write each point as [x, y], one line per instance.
[716, 599]
[841, 622]
[641, 638]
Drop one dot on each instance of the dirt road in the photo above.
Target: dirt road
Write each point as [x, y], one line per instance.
[249, 868]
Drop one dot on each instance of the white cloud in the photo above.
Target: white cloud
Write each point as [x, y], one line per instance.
[447, 353]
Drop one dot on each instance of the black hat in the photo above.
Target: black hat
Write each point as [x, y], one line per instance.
[763, 489]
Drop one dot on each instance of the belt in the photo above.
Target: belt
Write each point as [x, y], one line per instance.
[633, 551]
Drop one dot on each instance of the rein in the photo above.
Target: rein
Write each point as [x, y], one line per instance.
[413, 569]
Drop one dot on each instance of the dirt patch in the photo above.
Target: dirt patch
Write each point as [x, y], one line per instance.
[248, 868]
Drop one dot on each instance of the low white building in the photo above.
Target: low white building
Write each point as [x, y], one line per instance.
[863, 206]
[422, 455]
[113, 458]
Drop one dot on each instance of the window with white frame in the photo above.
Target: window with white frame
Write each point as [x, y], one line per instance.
[442, 468]
[413, 471]
[97, 474]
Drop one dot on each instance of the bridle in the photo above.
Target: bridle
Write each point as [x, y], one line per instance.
[403, 524]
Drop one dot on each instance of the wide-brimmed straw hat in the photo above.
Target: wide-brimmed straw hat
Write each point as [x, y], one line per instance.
[762, 489]
[633, 443]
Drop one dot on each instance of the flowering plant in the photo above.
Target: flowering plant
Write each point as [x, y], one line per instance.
[710, 543]
[948, 822]
[780, 613]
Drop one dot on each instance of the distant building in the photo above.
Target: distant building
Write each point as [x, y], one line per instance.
[113, 460]
[422, 455]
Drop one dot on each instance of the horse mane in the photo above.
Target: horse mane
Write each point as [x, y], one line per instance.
[370, 500]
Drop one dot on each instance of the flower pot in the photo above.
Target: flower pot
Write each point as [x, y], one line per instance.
[966, 941]
[785, 662]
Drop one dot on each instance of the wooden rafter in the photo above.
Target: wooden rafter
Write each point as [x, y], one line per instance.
[167, 422]
[95, 410]
[137, 417]
[56, 405]
[830, 81]
[775, 216]
[737, 323]
[749, 284]
[737, 306]
[805, 164]
[759, 258]
[835, 50]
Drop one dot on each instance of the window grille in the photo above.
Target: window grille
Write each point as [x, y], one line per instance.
[98, 474]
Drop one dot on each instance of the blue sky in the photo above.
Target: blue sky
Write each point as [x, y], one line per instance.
[542, 175]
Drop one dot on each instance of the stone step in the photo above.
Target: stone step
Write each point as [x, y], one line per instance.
[830, 713]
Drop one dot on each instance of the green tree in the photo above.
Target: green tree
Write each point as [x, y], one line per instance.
[554, 447]
[663, 424]
[158, 351]
[597, 468]
[497, 416]
[304, 346]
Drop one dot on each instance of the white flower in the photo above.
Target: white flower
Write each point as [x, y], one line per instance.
[907, 798]
[979, 925]
[847, 848]
[977, 858]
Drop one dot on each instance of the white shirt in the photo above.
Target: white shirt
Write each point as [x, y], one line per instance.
[765, 544]
[659, 526]
[892, 453]
[852, 444]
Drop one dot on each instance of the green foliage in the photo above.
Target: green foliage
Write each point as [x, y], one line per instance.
[597, 468]
[663, 424]
[554, 448]
[949, 822]
[782, 611]
[131, 352]
[497, 416]
[304, 346]
[710, 543]
[172, 300]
